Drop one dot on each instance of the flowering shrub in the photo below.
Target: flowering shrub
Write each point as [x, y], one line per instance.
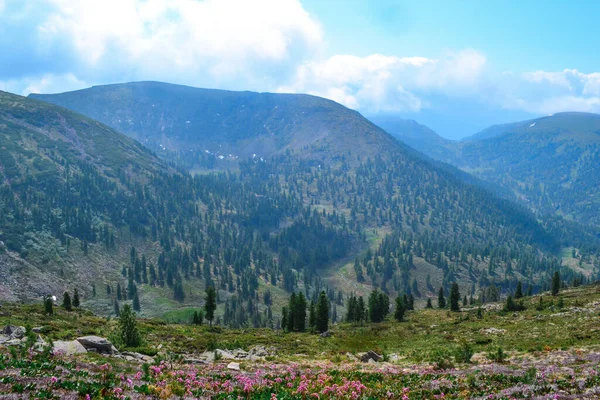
[555, 374]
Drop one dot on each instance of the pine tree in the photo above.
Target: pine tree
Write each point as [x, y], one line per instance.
[322, 322]
[119, 292]
[441, 298]
[128, 328]
[312, 316]
[284, 318]
[519, 291]
[75, 301]
[429, 305]
[48, 306]
[400, 309]
[178, 292]
[300, 313]
[555, 283]
[210, 304]
[454, 297]
[117, 310]
[136, 302]
[67, 305]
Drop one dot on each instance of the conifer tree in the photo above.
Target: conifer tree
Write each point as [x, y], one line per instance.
[322, 321]
[128, 328]
[400, 309]
[454, 297]
[441, 298]
[312, 316]
[136, 302]
[429, 305]
[48, 306]
[67, 305]
[284, 318]
[555, 283]
[210, 304]
[519, 291]
[75, 301]
[117, 310]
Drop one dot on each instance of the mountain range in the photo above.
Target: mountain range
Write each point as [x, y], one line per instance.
[257, 194]
[550, 164]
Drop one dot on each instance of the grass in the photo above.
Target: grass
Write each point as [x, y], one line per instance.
[425, 334]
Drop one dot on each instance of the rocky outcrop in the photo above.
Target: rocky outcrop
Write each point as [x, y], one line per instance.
[14, 332]
[97, 344]
[68, 348]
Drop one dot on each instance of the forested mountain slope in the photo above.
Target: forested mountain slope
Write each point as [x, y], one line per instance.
[345, 210]
[551, 164]
[208, 128]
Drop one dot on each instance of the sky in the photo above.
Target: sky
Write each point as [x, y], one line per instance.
[456, 66]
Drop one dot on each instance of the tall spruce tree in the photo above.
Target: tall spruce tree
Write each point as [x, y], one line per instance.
[210, 304]
[136, 302]
[400, 309]
[441, 298]
[312, 316]
[322, 322]
[519, 290]
[555, 283]
[75, 301]
[67, 305]
[454, 297]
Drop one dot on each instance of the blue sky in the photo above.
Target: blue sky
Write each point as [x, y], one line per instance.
[457, 66]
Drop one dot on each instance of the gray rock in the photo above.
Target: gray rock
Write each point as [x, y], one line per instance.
[15, 332]
[234, 366]
[68, 347]
[138, 357]
[4, 338]
[101, 345]
[225, 354]
[325, 334]
[196, 361]
[351, 357]
[370, 355]
[38, 329]
[14, 342]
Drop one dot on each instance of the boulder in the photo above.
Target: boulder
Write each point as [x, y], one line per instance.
[325, 334]
[370, 355]
[38, 329]
[15, 332]
[97, 343]
[68, 347]
[4, 338]
[234, 366]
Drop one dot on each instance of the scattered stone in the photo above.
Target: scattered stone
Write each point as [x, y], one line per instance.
[138, 357]
[325, 334]
[234, 366]
[68, 347]
[13, 342]
[101, 345]
[492, 331]
[370, 355]
[195, 361]
[225, 354]
[15, 332]
[38, 329]
[351, 357]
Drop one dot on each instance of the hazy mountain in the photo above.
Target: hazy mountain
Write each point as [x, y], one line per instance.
[417, 136]
[196, 125]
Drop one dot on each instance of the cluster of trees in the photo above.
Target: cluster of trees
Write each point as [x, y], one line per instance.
[293, 317]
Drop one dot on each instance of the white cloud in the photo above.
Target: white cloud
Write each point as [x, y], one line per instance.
[219, 38]
[47, 83]
[387, 83]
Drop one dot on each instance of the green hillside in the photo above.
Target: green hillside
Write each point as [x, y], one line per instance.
[346, 210]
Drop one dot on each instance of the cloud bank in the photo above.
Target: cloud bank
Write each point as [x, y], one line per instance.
[264, 45]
